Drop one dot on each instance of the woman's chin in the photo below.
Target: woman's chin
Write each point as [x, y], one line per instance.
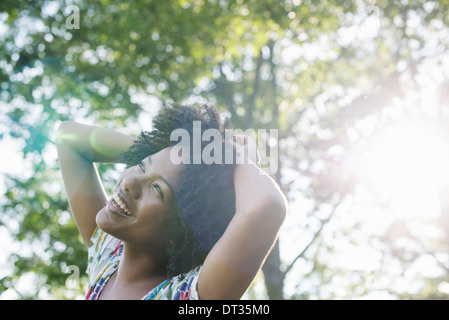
[106, 222]
[114, 224]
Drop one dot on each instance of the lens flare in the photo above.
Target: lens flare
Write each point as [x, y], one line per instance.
[408, 165]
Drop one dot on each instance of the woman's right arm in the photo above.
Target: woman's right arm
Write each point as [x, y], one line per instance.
[79, 147]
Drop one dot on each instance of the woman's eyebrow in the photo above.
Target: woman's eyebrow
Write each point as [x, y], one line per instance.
[168, 185]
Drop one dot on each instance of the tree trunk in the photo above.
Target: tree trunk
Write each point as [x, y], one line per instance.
[274, 278]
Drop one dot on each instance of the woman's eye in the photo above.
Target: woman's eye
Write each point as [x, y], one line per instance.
[158, 189]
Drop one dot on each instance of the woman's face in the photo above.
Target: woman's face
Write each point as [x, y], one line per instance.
[140, 210]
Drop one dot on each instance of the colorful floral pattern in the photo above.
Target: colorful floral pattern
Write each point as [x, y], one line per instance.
[104, 257]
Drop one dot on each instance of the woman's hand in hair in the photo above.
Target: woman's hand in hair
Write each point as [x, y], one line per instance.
[246, 149]
[261, 207]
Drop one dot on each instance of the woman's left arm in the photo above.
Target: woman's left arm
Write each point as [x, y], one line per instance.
[236, 258]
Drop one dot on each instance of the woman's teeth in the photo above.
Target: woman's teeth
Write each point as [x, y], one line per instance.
[119, 201]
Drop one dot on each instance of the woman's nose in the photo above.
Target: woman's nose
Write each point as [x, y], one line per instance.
[132, 186]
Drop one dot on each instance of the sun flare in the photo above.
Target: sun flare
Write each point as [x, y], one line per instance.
[408, 164]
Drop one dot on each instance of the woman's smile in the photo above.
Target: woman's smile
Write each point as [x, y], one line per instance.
[118, 205]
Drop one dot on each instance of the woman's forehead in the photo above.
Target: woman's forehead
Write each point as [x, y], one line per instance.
[162, 163]
[162, 156]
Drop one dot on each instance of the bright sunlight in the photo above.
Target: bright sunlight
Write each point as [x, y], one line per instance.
[408, 164]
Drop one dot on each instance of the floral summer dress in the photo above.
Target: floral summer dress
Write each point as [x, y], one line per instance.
[104, 256]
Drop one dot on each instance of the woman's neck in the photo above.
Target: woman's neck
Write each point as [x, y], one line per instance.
[137, 265]
[138, 273]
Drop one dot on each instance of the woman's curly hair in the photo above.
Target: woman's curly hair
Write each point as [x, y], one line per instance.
[205, 199]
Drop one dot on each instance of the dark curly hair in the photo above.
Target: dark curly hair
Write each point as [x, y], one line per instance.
[205, 199]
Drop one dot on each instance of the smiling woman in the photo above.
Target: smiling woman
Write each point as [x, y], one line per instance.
[169, 231]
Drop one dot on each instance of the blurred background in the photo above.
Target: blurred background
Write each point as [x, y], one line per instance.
[358, 90]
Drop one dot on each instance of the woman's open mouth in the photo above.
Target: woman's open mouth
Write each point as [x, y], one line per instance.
[118, 206]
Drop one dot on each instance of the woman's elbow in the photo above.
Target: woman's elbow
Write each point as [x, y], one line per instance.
[279, 207]
[273, 210]
[64, 131]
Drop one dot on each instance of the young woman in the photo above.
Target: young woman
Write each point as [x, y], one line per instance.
[169, 231]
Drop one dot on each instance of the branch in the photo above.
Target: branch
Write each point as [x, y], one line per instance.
[228, 96]
[273, 84]
[315, 236]
[252, 97]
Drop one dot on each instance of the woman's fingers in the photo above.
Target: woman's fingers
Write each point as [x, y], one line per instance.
[240, 139]
[246, 148]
